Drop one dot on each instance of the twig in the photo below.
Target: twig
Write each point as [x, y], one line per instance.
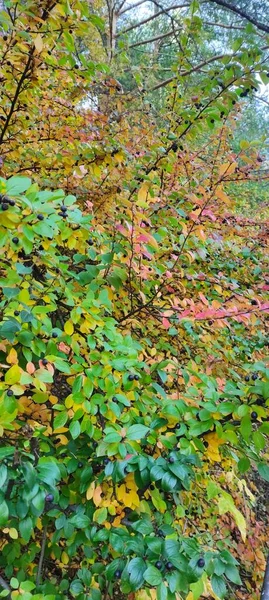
[41, 557]
[5, 585]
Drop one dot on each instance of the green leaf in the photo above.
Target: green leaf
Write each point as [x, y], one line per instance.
[3, 475]
[136, 569]
[218, 585]
[17, 185]
[74, 429]
[60, 420]
[162, 591]
[8, 330]
[232, 574]
[80, 520]
[263, 471]
[168, 482]
[152, 576]
[48, 470]
[26, 528]
[3, 513]
[137, 432]
[6, 451]
[197, 589]
[100, 515]
[243, 464]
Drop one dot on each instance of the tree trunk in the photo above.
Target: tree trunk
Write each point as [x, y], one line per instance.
[265, 587]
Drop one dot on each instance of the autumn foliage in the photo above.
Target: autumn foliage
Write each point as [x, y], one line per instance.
[133, 300]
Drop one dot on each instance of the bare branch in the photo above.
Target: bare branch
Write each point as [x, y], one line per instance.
[154, 39]
[148, 19]
[185, 73]
[241, 13]
[131, 7]
[162, 84]
[41, 556]
[5, 585]
[224, 26]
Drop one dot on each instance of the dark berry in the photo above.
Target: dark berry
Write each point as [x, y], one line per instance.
[63, 208]
[174, 147]
[200, 563]
[9, 393]
[210, 322]
[254, 302]
[260, 401]
[171, 459]
[49, 498]
[11, 202]
[44, 361]
[115, 399]
[254, 415]
[131, 377]
[212, 120]
[118, 574]
[40, 217]
[16, 313]
[254, 376]
[158, 564]
[136, 377]
[187, 512]
[54, 334]
[169, 566]
[4, 206]
[161, 533]
[62, 214]
[80, 465]
[5, 38]
[106, 461]
[90, 242]
[76, 66]
[247, 378]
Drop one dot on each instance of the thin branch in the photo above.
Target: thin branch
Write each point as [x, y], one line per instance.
[241, 13]
[162, 83]
[41, 557]
[222, 25]
[148, 19]
[185, 73]
[131, 7]
[154, 39]
[5, 585]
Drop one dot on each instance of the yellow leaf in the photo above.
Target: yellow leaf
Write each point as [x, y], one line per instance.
[38, 42]
[213, 446]
[13, 375]
[142, 195]
[119, 157]
[69, 327]
[13, 533]
[227, 168]
[64, 558]
[226, 504]
[222, 196]
[24, 296]
[12, 357]
[97, 496]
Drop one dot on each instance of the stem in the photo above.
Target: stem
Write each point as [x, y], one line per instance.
[5, 585]
[41, 557]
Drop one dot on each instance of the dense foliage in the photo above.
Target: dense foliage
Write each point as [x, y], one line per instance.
[134, 387]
